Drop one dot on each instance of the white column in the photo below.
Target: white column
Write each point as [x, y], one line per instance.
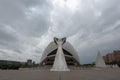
[60, 62]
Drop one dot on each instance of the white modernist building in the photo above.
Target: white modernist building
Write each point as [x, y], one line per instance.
[60, 54]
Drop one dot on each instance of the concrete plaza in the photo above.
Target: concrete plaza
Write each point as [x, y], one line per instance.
[111, 74]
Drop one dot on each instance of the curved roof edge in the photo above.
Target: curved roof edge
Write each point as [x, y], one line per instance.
[67, 46]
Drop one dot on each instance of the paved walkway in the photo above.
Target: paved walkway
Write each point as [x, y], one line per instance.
[71, 75]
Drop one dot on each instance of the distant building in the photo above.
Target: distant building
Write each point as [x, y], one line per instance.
[112, 57]
[7, 62]
[29, 62]
[117, 55]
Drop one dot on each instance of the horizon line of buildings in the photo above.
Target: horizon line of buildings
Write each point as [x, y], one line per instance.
[29, 62]
[113, 57]
[108, 58]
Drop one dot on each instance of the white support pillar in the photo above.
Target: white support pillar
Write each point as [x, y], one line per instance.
[59, 62]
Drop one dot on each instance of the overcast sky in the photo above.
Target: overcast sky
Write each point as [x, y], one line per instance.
[28, 26]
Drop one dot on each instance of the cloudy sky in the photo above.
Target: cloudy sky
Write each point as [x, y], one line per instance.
[28, 26]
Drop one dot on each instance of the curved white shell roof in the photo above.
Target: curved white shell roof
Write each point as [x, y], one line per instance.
[52, 46]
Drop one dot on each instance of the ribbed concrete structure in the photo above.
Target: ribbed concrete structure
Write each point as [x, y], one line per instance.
[51, 52]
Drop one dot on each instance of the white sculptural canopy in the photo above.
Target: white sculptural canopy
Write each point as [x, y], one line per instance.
[70, 53]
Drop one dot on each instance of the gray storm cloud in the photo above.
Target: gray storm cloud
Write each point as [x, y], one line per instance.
[27, 27]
